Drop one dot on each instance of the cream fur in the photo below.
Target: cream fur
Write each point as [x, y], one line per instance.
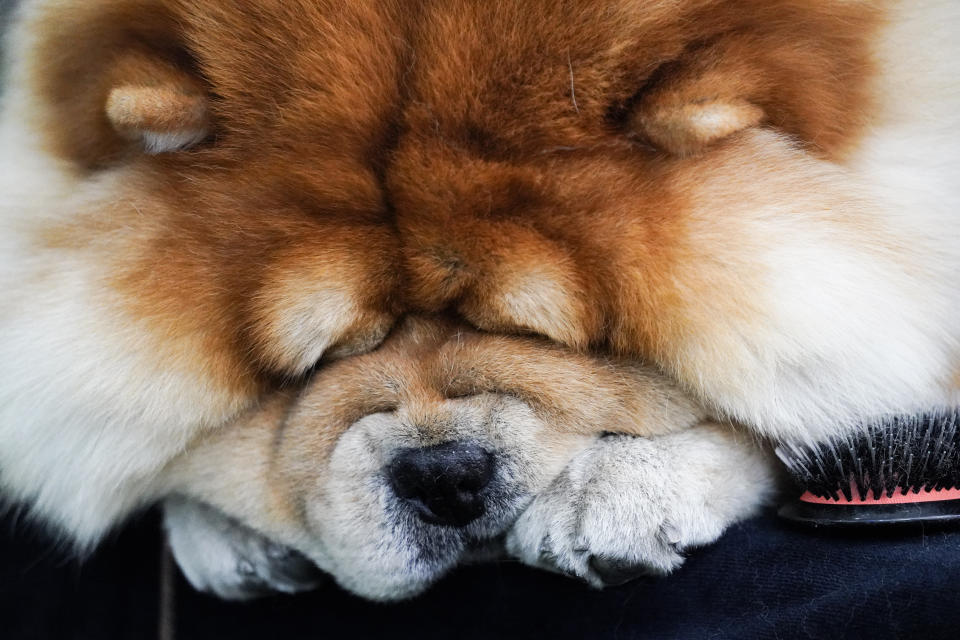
[92, 404]
[633, 503]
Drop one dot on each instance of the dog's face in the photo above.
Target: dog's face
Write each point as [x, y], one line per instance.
[390, 468]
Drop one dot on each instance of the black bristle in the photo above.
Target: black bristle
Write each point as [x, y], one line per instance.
[913, 453]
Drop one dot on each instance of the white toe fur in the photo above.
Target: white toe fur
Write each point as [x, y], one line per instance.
[633, 505]
[219, 555]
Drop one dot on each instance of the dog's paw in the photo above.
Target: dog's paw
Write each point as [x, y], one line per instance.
[219, 555]
[631, 506]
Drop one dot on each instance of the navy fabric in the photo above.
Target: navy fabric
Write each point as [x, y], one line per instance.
[764, 579]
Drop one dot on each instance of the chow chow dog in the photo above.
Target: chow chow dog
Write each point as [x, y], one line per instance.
[203, 203]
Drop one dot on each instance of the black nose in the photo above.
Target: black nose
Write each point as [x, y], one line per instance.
[444, 483]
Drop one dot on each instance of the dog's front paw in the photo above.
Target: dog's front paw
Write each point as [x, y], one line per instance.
[631, 506]
[219, 555]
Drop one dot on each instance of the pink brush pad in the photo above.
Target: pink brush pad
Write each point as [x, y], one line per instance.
[897, 497]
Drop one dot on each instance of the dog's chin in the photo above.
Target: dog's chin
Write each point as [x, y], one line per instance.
[404, 556]
[393, 585]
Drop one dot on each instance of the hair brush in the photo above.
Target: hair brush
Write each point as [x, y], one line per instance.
[898, 469]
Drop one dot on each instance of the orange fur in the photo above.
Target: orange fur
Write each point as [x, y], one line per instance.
[445, 156]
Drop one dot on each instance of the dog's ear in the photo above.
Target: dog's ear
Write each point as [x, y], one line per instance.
[686, 127]
[156, 105]
[705, 96]
[803, 75]
[114, 80]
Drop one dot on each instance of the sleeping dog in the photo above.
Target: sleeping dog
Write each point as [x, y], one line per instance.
[201, 202]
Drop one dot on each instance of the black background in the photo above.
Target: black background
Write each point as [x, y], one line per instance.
[764, 579]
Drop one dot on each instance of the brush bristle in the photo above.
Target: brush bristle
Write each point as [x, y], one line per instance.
[912, 453]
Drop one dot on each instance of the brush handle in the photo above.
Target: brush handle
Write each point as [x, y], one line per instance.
[846, 515]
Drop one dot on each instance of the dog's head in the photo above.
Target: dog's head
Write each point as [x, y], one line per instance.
[265, 183]
[392, 467]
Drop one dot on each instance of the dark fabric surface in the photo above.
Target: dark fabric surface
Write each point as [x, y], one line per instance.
[764, 579]
[47, 594]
